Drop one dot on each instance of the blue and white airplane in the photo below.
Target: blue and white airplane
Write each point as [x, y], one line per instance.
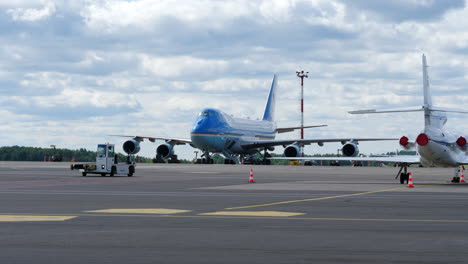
[217, 132]
[436, 146]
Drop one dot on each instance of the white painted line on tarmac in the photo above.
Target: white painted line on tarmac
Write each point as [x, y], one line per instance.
[140, 211]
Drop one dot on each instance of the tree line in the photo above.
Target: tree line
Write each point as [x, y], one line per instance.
[17, 153]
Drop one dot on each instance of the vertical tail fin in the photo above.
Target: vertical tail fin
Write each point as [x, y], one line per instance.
[426, 88]
[427, 94]
[431, 116]
[269, 114]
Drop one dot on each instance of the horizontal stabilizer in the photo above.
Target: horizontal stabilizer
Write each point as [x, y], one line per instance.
[290, 129]
[391, 110]
[449, 110]
[409, 109]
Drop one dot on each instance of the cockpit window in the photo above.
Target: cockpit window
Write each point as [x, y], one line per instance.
[204, 114]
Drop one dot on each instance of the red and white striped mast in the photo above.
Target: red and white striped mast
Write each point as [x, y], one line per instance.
[301, 75]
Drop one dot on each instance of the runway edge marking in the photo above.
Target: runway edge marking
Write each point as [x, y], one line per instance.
[319, 199]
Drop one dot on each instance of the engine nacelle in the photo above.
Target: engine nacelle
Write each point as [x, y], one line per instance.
[461, 142]
[350, 149]
[406, 144]
[165, 150]
[292, 151]
[422, 139]
[131, 146]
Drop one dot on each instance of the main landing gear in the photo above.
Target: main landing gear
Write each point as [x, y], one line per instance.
[266, 155]
[206, 159]
[229, 161]
[458, 171]
[404, 176]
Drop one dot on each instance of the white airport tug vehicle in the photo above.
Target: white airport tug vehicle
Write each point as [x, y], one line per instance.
[106, 163]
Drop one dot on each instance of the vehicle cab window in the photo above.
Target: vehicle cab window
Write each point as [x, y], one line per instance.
[101, 151]
[111, 151]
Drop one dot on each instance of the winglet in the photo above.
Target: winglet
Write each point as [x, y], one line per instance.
[269, 114]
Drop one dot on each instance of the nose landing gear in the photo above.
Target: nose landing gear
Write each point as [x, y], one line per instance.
[458, 171]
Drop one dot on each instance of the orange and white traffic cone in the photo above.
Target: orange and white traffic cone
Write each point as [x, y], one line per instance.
[410, 180]
[462, 176]
[251, 177]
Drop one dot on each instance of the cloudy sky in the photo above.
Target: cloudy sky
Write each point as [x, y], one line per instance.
[72, 72]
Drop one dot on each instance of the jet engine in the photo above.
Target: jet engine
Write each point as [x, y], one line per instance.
[131, 146]
[406, 144]
[350, 149]
[292, 151]
[422, 139]
[165, 150]
[461, 142]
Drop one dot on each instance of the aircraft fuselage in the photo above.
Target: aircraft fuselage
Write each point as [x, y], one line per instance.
[440, 151]
[217, 132]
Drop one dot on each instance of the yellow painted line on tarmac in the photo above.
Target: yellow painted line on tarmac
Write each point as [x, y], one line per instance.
[253, 213]
[33, 218]
[320, 198]
[140, 211]
[211, 216]
[321, 218]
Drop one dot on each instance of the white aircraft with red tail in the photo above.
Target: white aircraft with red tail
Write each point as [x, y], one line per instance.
[436, 146]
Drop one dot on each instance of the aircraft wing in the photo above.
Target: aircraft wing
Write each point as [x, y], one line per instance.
[176, 141]
[408, 159]
[270, 143]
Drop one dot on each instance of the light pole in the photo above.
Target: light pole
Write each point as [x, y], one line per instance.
[301, 75]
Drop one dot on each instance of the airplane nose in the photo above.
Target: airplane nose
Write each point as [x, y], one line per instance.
[422, 139]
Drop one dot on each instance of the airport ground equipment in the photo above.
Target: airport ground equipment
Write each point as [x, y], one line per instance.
[106, 163]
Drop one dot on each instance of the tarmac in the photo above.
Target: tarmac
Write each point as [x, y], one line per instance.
[169, 213]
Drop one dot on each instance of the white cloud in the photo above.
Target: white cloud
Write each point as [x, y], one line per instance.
[112, 15]
[32, 14]
[181, 65]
